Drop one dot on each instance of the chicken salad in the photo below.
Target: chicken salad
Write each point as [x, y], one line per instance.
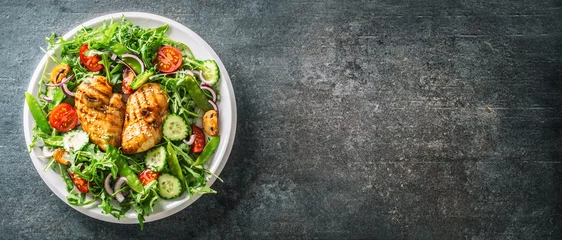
[127, 114]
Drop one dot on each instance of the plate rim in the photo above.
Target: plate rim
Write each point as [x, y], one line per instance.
[223, 156]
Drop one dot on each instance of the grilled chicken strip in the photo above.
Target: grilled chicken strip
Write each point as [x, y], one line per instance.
[145, 113]
[101, 112]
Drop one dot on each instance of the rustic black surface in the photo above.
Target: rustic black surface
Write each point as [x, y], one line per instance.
[357, 119]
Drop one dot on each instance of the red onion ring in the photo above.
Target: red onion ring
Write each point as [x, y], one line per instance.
[113, 56]
[191, 140]
[204, 86]
[67, 92]
[118, 184]
[136, 58]
[64, 80]
[47, 151]
[126, 65]
[201, 77]
[106, 184]
[47, 99]
[214, 106]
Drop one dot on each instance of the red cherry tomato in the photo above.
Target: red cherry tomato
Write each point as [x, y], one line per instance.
[63, 117]
[199, 141]
[148, 176]
[79, 182]
[90, 62]
[128, 77]
[169, 59]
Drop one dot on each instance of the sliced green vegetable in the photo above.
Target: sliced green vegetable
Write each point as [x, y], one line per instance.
[133, 63]
[175, 128]
[211, 71]
[55, 141]
[207, 151]
[124, 170]
[141, 79]
[37, 113]
[197, 94]
[173, 163]
[169, 186]
[57, 97]
[155, 159]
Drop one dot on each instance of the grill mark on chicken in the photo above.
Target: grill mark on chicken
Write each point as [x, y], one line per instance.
[100, 111]
[145, 111]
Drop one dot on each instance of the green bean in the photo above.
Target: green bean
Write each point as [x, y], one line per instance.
[197, 94]
[132, 179]
[37, 113]
[207, 151]
[173, 163]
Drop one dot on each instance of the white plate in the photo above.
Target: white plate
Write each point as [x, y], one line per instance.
[227, 117]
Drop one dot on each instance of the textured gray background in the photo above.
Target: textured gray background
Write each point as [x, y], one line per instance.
[357, 119]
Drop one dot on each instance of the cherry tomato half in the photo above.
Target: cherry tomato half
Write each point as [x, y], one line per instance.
[63, 117]
[199, 141]
[128, 77]
[90, 62]
[79, 182]
[169, 59]
[148, 176]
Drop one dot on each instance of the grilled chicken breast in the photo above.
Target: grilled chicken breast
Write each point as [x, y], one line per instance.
[101, 112]
[145, 113]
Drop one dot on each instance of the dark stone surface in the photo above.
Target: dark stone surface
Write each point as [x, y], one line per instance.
[357, 119]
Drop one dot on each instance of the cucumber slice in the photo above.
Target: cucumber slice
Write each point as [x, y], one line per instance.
[75, 140]
[156, 159]
[169, 186]
[175, 128]
[211, 71]
[141, 79]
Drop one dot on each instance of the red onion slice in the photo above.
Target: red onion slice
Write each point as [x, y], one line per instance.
[118, 184]
[106, 185]
[126, 65]
[191, 140]
[113, 56]
[210, 89]
[47, 99]
[202, 78]
[136, 58]
[47, 151]
[67, 92]
[64, 80]
[215, 106]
